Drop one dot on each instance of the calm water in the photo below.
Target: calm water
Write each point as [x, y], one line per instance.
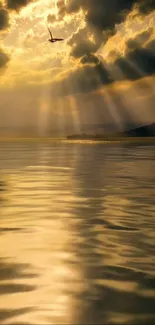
[77, 234]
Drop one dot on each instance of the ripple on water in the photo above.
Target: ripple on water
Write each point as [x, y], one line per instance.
[77, 234]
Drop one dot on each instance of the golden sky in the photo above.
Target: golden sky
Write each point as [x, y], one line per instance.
[100, 59]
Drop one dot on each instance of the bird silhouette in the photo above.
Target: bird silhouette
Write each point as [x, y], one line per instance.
[53, 40]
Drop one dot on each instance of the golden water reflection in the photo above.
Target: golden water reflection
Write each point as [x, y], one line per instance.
[77, 234]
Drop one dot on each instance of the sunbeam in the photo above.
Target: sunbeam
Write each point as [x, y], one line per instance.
[127, 115]
[125, 110]
[122, 69]
[60, 115]
[131, 99]
[139, 72]
[132, 68]
[44, 111]
[74, 112]
[111, 104]
[113, 109]
[75, 107]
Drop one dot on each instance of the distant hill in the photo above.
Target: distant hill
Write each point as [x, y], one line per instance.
[142, 131]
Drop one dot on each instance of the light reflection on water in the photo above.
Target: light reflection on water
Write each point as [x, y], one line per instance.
[77, 229]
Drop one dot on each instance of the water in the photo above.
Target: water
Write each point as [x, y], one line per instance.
[77, 234]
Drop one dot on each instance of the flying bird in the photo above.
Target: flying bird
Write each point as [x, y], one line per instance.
[53, 40]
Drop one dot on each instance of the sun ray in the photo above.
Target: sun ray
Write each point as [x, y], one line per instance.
[120, 73]
[112, 106]
[138, 71]
[135, 116]
[75, 110]
[61, 118]
[74, 113]
[44, 111]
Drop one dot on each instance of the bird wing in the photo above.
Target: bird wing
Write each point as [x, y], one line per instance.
[50, 33]
[59, 39]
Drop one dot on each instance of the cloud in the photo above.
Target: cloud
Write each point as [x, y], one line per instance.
[4, 59]
[85, 47]
[103, 15]
[151, 46]
[10, 5]
[4, 18]
[100, 22]
[106, 14]
[82, 42]
[139, 58]
[61, 8]
[90, 58]
[146, 6]
[17, 4]
[54, 17]
[101, 18]
[51, 18]
[82, 79]
[38, 65]
[139, 40]
[138, 61]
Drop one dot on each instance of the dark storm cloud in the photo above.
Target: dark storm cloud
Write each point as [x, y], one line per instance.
[139, 40]
[102, 15]
[4, 59]
[139, 58]
[101, 18]
[151, 46]
[17, 4]
[81, 44]
[85, 47]
[146, 6]
[137, 62]
[83, 79]
[90, 58]
[4, 18]
[105, 14]
[93, 74]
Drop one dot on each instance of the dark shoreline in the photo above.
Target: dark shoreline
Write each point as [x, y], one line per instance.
[136, 140]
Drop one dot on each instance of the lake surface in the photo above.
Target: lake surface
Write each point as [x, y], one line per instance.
[77, 234]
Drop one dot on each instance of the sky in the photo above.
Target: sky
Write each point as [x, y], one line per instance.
[101, 77]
